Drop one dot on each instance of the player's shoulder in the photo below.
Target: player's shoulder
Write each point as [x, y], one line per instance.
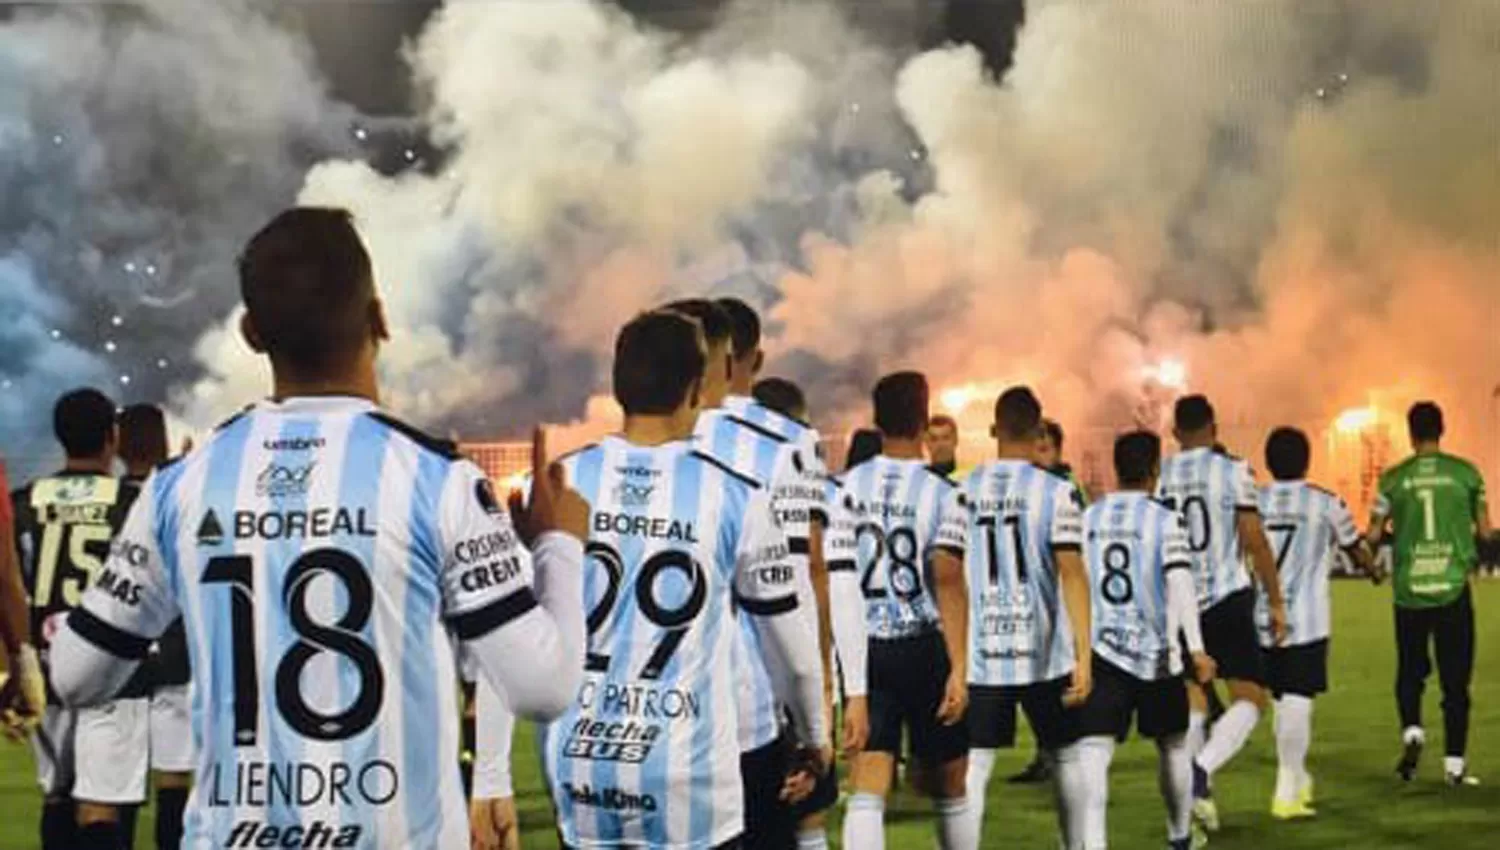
[1464, 466]
[445, 449]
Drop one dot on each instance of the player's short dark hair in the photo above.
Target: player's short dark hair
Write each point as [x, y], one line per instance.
[1137, 456]
[942, 420]
[308, 287]
[1425, 421]
[1018, 414]
[83, 420]
[782, 396]
[1288, 454]
[863, 445]
[901, 404]
[711, 317]
[744, 325]
[1192, 413]
[1054, 432]
[658, 357]
[143, 434]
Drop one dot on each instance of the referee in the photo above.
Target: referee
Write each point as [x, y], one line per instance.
[1434, 504]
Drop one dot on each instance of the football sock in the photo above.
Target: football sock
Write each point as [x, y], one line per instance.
[1229, 736]
[864, 822]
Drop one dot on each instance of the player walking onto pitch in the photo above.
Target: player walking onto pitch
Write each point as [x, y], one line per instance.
[1435, 506]
[1029, 634]
[323, 556]
[910, 542]
[1219, 503]
[649, 754]
[1143, 596]
[23, 700]
[1307, 527]
[91, 761]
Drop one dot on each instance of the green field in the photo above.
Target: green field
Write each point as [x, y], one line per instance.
[1361, 802]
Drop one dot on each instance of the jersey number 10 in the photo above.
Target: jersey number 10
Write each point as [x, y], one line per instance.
[313, 638]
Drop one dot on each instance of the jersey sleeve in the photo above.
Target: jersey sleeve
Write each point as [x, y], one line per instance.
[1176, 553]
[953, 522]
[1066, 533]
[1345, 533]
[847, 602]
[1381, 507]
[486, 571]
[1246, 493]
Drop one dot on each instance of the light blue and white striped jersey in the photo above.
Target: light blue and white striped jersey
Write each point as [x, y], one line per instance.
[1306, 527]
[319, 554]
[805, 437]
[905, 512]
[649, 756]
[1210, 490]
[774, 462]
[1019, 516]
[1131, 541]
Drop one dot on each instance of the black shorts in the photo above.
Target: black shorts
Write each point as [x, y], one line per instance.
[769, 822]
[1301, 670]
[1160, 707]
[1231, 639]
[907, 681]
[825, 794]
[992, 714]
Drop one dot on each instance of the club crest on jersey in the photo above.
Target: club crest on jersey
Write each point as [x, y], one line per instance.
[632, 495]
[278, 482]
[484, 493]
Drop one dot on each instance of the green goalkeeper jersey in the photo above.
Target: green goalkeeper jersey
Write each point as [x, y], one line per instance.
[1433, 502]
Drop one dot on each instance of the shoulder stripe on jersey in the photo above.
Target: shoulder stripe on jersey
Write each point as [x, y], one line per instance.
[712, 461]
[1325, 491]
[225, 425]
[952, 485]
[759, 429]
[481, 621]
[111, 639]
[446, 448]
[799, 545]
[842, 565]
[1176, 565]
[769, 607]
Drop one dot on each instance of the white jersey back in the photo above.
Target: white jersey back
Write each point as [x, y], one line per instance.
[905, 512]
[1210, 490]
[776, 463]
[1306, 527]
[1131, 541]
[1019, 517]
[650, 755]
[320, 554]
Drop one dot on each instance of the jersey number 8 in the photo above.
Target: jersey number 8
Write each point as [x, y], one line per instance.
[341, 637]
[675, 621]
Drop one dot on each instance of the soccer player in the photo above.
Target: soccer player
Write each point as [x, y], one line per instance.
[910, 559]
[1307, 527]
[143, 447]
[1434, 504]
[91, 761]
[942, 447]
[649, 754]
[776, 463]
[23, 700]
[1028, 606]
[324, 558]
[845, 621]
[744, 368]
[1143, 598]
[1218, 500]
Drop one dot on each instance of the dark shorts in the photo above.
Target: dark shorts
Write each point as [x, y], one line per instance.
[907, 681]
[992, 714]
[769, 823]
[1159, 708]
[1231, 639]
[1299, 670]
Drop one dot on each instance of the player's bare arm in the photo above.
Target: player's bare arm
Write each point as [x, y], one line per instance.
[1073, 578]
[1263, 562]
[953, 607]
[26, 695]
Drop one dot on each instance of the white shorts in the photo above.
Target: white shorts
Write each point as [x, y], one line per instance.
[171, 730]
[94, 755]
[494, 726]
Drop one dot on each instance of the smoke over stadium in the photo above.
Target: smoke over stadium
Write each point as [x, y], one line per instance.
[1294, 201]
